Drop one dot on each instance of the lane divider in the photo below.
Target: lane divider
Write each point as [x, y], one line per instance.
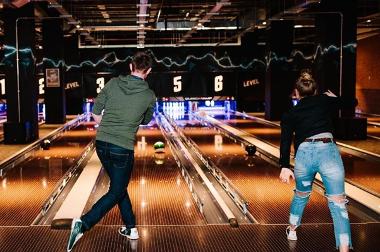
[75, 202]
[223, 206]
[346, 146]
[24, 153]
[222, 179]
[363, 197]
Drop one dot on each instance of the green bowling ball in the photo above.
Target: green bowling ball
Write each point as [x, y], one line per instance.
[159, 146]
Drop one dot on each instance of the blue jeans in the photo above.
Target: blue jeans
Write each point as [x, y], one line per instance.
[118, 163]
[324, 158]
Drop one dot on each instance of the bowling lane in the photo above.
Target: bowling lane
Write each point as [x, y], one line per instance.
[359, 171]
[24, 188]
[374, 119]
[157, 190]
[373, 130]
[257, 181]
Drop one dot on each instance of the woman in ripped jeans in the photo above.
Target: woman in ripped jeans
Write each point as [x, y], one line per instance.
[316, 152]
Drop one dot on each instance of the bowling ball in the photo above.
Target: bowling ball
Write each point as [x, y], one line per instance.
[159, 146]
[45, 144]
[233, 222]
[250, 149]
[159, 158]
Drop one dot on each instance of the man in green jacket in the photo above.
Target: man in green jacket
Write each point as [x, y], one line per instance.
[123, 104]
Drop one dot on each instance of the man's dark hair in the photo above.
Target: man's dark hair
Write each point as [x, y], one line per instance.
[141, 61]
[305, 84]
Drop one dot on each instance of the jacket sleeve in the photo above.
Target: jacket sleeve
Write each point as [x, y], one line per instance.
[287, 129]
[342, 102]
[100, 100]
[149, 112]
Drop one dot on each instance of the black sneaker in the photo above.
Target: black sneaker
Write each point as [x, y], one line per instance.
[130, 233]
[75, 234]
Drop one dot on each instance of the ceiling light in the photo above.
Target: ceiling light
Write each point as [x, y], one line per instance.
[187, 14]
[298, 26]
[369, 21]
[54, 5]
[101, 7]
[78, 26]
[106, 15]
[264, 23]
[143, 5]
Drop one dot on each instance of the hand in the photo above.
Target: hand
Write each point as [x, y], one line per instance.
[329, 93]
[97, 118]
[286, 174]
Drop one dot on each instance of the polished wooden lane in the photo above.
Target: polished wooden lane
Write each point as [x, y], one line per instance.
[8, 150]
[24, 188]
[268, 198]
[158, 193]
[360, 171]
[218, 238]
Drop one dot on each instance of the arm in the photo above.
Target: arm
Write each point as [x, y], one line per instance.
[287, 129]
[340, 102]
[99, 105]
[97, 118]
[149, 112]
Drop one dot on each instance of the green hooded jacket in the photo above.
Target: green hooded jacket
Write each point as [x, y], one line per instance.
[127, 102]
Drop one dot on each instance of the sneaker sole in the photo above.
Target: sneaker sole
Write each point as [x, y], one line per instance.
[76, 238]
[129, 237]
[292, 239]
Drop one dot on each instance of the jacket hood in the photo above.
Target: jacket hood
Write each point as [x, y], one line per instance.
[131, 85]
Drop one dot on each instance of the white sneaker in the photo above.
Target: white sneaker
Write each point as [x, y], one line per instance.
[292, 235]
[75, 234]
[130, 233]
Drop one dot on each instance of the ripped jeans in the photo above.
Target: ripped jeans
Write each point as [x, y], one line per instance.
[324, 158]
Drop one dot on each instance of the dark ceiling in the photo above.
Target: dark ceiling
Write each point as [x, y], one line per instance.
[146, 23]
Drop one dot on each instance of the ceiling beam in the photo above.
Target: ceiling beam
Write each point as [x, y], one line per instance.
[206, 18]
[141, 15]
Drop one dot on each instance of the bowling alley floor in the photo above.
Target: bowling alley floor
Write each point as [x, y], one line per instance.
[8, 150]
[169, 225]
[250, 237]
[371, 144]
